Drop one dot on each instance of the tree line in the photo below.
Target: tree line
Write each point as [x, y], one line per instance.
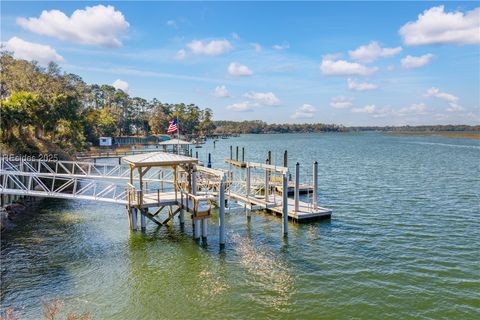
[45, 103]
[257, 126]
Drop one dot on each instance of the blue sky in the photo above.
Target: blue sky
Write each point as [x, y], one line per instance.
[351, 63]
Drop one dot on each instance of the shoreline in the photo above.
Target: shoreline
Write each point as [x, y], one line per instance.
[473, 135]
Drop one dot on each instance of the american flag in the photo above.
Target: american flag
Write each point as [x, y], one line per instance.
[172, 128]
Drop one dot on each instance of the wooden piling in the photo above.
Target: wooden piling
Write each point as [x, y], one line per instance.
[181, 215]
[285, 159]
[134, 219]
[285, 204]
[221, 209]
[315, 185]
[248, 181]
[266, 182]
[143, 220]
[204, 229]
[236, 158]
[297, 186]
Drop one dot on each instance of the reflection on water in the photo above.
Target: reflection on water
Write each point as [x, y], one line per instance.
[266, 272]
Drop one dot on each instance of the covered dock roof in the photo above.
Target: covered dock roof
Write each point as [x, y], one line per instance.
[174, 142]
[158, 159]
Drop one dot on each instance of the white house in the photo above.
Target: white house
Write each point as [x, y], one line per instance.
[105, 141]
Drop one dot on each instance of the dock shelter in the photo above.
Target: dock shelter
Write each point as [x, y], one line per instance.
[185, 179]
[176, 145]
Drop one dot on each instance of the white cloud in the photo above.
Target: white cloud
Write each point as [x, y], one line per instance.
[345, 68]
[210, 48]
[172, 24]
[450, 98]
[221, 92]
[282, 46]
[98, 25]
[235, 36]
[410, 62]
[263, 98]
[32, 51]
[241, 107]
[373, 51]
[435, 26]
[416, 108]
[181, 54]
[332, 56]
[257, 47]
[435, 92]
[454, 107]
[369, 109]
[120, 85]
[362, 86]
[306, 111]
[341, 102]
[237, 69]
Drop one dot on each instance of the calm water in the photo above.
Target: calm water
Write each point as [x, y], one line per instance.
[403, 242]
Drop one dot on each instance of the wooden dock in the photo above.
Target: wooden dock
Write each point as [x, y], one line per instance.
[306, 212]
[236, 163]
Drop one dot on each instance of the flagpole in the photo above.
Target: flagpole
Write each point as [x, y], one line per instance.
[178, 137]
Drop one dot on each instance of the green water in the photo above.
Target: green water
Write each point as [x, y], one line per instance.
[403, 243]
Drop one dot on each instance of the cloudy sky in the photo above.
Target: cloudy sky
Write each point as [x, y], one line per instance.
[348, 63]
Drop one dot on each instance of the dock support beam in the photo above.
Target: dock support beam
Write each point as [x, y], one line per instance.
[221, 209]
[315, 185]
[196, 229]
[248, 181]
[181, 215]
[134, 219]
[243, 154]
[143, 219]
[266, 182]
[297, 186]
[236, 158]
[204, 230]
[285, 204]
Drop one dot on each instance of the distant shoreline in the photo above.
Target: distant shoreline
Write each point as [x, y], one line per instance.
[475, 135]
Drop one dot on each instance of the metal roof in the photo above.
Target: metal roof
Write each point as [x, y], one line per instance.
[174, 142]
[157, 159]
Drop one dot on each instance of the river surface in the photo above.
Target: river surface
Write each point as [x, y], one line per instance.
[403, 243]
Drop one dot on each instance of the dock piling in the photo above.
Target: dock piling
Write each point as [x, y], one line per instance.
[143, 220]
[204, 229]
[134, 219]
[181, 214]
[266, 181]
[209, 164]
[231, 152]
[285, 159]
[315, 185]
[243, 154]
[236, 158]
[248, 181]
[297, 186]
[285, 204]
[221, 220]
